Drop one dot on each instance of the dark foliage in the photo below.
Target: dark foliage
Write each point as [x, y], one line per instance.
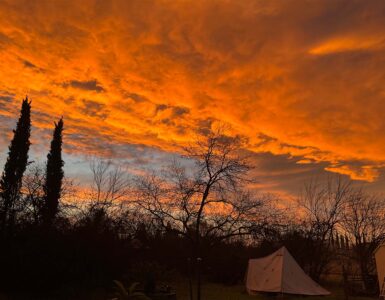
[14, 168]
[54, 176]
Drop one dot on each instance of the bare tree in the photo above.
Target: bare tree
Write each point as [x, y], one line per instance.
[109, 188]
[322, 206]
[364, 222]
[110, 183]
[33, 194]
[203, 195]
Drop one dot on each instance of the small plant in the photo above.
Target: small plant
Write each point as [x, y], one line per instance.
[128, 294]
[149, 283]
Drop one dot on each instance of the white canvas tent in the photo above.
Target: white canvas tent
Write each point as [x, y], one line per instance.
[379, 255]
[279, 272]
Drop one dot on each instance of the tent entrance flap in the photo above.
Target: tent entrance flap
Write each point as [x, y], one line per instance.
[280, 273]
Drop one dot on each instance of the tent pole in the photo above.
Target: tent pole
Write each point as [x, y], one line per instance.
[189, 278]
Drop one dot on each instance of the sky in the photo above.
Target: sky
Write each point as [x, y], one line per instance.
[303, 81]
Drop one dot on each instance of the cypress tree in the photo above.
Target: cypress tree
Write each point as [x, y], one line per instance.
[11, 179]
[54, 175]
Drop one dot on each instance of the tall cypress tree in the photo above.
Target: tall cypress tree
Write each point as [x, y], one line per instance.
[11, 179]
[54, 175]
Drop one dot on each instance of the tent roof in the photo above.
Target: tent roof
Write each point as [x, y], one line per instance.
[279, 272]
[378, 247]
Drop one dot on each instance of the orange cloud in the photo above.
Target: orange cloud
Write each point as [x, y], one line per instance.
[344, 44]
[297, 79]
[366, 173]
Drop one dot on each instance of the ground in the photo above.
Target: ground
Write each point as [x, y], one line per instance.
[212, 291]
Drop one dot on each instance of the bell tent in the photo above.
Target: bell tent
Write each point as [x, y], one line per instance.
[280, 273]
[379, 255]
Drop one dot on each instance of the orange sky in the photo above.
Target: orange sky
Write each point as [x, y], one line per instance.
[303, 80]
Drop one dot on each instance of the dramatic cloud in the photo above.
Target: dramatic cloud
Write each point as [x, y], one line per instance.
[303, 81]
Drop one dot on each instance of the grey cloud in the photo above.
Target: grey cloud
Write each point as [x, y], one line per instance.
[161, 107]
[94, 109]
[178, 111]
[137, 97]
[90, 85]
[6, 98]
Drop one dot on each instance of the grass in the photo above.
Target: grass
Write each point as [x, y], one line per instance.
[211, 291]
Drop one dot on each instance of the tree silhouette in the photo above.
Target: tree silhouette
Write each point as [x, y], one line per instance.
[364, 222]
[210, 200]
[11, 180]
[54, 176]
[323, 205]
